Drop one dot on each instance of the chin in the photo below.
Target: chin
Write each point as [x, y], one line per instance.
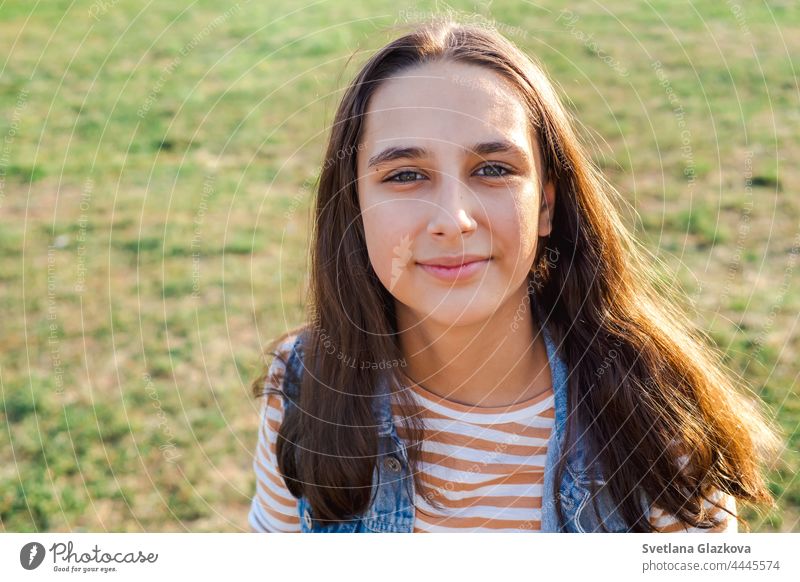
[455, 314]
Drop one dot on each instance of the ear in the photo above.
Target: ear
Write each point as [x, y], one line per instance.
[546, 209]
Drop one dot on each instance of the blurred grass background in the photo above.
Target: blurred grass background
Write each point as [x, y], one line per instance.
[156, 170]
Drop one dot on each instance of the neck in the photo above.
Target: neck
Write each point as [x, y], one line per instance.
[495, 362]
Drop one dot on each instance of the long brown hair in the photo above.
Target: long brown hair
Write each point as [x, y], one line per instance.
[642, 379]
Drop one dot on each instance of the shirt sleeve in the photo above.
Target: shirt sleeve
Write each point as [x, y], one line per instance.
[273, 508]
[663, 522]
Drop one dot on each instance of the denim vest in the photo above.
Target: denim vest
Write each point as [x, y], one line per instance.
[392, 508]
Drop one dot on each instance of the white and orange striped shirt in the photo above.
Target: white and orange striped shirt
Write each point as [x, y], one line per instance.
[484, 465]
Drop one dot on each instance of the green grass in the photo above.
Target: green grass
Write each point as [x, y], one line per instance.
[168, 226]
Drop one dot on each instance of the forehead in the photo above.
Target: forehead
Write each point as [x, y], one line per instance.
[446, 104]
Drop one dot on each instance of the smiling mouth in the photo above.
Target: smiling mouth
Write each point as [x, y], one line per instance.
[454, 266]
[456, 272]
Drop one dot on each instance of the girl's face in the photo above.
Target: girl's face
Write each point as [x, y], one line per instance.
[448, 170]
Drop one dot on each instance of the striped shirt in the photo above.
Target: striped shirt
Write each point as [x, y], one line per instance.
[483, 466]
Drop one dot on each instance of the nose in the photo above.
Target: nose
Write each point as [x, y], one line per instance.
[452, 210]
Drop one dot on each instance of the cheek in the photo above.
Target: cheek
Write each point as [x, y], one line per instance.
[514, 228]
[389, 234]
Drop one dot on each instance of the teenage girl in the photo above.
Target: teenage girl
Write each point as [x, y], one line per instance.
[465, 253]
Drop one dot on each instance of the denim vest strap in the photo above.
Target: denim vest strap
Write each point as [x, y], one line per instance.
[293, 373]
[558, 372]
[575, 487]
[391, 508]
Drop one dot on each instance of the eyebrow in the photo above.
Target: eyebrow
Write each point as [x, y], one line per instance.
[412, 152]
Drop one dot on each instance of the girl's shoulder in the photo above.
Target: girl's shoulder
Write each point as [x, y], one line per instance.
[719, 505]
[281, 352]
[273, 508]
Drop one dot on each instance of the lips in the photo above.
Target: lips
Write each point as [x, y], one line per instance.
[455, 261]
[458, 272]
